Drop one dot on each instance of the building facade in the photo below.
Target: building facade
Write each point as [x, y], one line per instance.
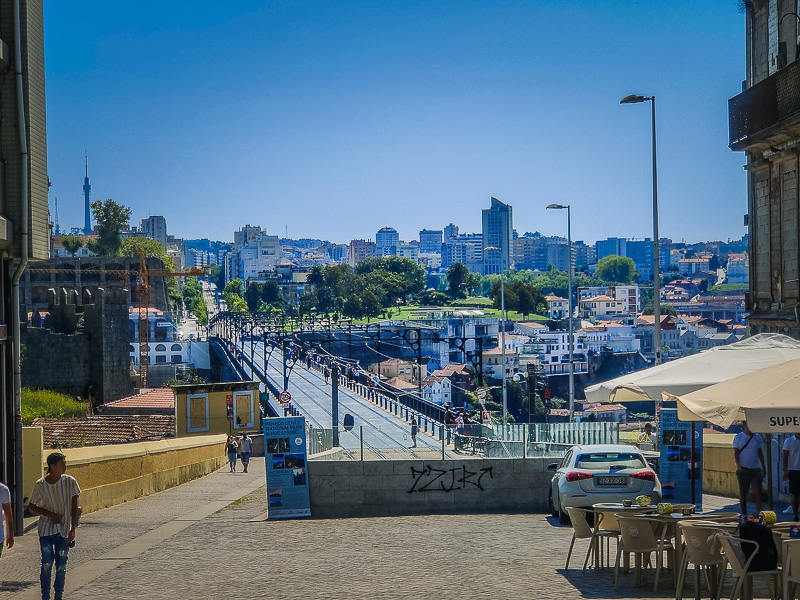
[764, 123]
[498, 231]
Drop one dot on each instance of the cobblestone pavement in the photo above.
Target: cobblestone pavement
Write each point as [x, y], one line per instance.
[199, 541]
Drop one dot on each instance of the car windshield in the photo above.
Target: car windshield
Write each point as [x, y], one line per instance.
[609, 460]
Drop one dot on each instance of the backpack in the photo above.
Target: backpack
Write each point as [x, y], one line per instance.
[767, 557]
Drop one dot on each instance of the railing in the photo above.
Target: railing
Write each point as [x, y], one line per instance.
[763, 105]
[319, 440]
[547, 439]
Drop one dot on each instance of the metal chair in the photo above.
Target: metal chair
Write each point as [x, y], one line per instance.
[582, 530]
[791, 568]
[637, 535]
[702, 550]
[740, 562]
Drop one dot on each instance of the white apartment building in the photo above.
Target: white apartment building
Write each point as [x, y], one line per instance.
[738, 268]
[627, 293]
[557, 307]
[551, 350]
[600, 307]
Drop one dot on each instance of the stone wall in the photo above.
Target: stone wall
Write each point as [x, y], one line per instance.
[412, 487]
[92, 360]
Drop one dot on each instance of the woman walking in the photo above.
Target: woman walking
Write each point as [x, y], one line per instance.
[414, 431]
[232, 448]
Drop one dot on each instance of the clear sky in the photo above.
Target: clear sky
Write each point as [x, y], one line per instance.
[336, 118]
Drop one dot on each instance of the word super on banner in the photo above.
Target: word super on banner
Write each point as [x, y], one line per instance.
[287, 468]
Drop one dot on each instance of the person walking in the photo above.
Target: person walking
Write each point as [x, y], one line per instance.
[232, 448]
[55, 499]
[791, 469]
[414, 431]
[750, 466]
[245, 446]
[8, 518]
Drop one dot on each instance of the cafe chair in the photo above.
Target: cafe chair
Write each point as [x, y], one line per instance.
[702, 550]
[637, 535]
[736, 557]
[581, 530]
[791, 568]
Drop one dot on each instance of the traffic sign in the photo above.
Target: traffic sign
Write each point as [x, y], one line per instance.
[482, 393]
[284, 397]
[486, 415]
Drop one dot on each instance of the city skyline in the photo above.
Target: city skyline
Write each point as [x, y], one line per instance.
[344, 111]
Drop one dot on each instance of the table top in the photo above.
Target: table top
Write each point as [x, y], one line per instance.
[619, 507]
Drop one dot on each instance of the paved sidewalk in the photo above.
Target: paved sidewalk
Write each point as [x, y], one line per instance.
[209, 539]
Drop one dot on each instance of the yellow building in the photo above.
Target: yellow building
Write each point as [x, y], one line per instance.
[216, 408]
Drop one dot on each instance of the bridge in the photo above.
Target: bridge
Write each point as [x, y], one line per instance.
[381, 418]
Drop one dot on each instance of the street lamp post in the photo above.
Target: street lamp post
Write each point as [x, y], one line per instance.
[502, 331]
[634, 99]
[569, 305]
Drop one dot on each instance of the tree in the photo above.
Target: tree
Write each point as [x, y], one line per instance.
[111, 219]
[72, 244]
[270, 292]
[234, 286]
[664, 309]
[370, 304]
[616, 269]
[199, 310]
[351, 307]
[134, 246]
[457, 278]
[253, 296]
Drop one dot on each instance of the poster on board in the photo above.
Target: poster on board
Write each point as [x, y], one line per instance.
[287, 461]
[678, 462]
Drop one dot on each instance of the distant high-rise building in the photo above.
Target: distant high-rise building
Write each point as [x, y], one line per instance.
[155, 227]
[611, 246]
[245, 236]
[385, 239]
[641, 252]
[359, 250]
[450, 232]
[430, 241]
[530, 253]
[466, 248]
[582, 255]
[497, 233]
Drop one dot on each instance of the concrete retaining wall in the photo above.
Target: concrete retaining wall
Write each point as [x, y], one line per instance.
[719, 467]
[111, 475]
[412, 487]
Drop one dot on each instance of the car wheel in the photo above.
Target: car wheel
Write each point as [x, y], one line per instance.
[563, 517]
[553, 511]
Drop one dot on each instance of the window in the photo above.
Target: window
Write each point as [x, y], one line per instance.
[197, 412]
[161, 348]
[605, 460]
[176, 358]
[176, 347]
[161, 359]
[243, 409]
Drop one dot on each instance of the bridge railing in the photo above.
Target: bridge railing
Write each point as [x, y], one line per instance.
[319, 440]
[547, 439]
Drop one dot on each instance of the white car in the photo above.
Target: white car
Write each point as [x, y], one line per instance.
[600, 473]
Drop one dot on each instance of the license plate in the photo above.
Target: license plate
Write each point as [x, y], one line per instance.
[612, 481]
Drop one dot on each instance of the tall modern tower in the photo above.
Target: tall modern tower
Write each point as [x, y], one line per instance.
[498, 230]
[87, 227]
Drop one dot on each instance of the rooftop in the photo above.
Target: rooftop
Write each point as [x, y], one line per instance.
[146, 398]
[95, 431]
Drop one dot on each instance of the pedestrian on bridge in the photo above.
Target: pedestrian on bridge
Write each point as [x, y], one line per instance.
[55, 499]
[233, 449]
[326, 372]
[414, 431]
[245, 447]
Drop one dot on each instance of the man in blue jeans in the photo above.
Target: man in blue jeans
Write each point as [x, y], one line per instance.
[55, 500]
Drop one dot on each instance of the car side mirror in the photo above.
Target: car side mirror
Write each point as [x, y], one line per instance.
[552, 467]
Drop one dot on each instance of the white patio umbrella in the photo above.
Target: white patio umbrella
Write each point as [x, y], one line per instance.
[698, 371]
[768, 398]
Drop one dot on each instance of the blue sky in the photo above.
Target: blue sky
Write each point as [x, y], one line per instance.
[338, 118]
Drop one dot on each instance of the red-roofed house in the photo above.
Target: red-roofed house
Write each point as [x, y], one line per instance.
[156, 401]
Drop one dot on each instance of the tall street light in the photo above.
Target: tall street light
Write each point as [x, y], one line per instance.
[503, 330]
[569, 305]
[634, 99]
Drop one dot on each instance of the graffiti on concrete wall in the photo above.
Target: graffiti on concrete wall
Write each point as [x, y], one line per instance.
[430, 479]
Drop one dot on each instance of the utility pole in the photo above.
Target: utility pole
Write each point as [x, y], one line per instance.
[335, 403]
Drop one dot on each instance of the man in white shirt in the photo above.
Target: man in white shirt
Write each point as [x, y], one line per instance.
[55, 499]
[791, 469]
[245, 447]
[8, 517]
[750, 466]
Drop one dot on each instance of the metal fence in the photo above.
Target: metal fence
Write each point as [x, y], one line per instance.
[319, 440]
[547, 439]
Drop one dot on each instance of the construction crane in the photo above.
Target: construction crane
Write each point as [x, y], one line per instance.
[143, 288]
[144, 305]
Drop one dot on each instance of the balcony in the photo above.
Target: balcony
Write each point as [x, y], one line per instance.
[762, 110]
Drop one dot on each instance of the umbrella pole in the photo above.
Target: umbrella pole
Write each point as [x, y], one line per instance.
[693, 469]
[769, 472]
